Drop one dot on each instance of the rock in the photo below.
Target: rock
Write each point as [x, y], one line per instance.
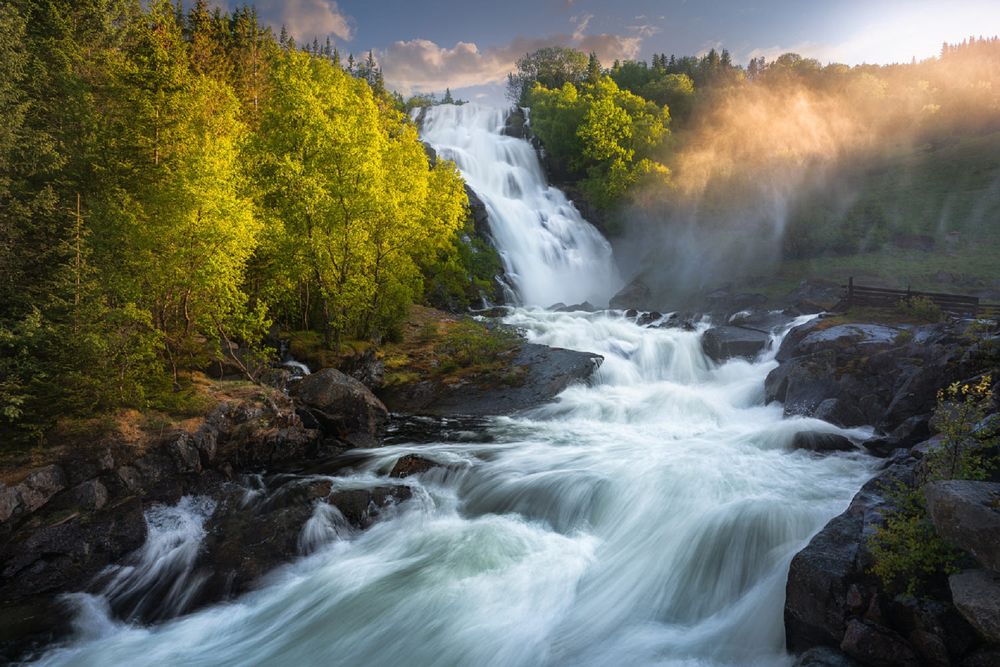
[366, 367]
[411, 464]
[539, 373]
[828, 581]
[976, 594]
[647, 319]
[839, 413]
[817, 441]
[823, 293]
[987, 657]
[636, 294]
[586, 307]
[37, 488]
[912, 431]
[967, 514]
[185, 454]
[877, 646]
[344, 406]
[823, 656]
[728, 342]
[91, 495]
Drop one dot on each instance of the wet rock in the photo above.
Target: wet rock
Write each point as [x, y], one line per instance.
[976, 594]
[729, 342]
[912, 431]
[967, 514]
[816, 441]
[828, 580]
[634, 295]
[411, 464]
[646, 319]
[537, 374]
[823, 656]
[839, 413]
[877, 646]
[987, 657]
[366, 368]
[344, 406]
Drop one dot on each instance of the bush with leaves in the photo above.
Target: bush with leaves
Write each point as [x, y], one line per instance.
[906, 549]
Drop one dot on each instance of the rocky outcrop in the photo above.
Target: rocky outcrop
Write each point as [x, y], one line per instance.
[635, 295]
[854, 374]
[976, 594]
[536, 374]
[730, 342]
[68, 521]
[967, 515]
[343, 406]
[833, 600]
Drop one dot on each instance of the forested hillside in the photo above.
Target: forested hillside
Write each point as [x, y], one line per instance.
[722, 169]
[174, 184]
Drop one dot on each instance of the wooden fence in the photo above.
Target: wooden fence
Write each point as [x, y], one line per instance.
[881, 297]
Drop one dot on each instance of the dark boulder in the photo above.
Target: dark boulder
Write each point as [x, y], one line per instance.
[878, 646]
[816, 441]
[636, 294]
[343, 406]
[411, 464]
[536, 375]
[823, 656]
[729, 342]
[912, 431]
[976, 594]
[967, 514]
[32, 493]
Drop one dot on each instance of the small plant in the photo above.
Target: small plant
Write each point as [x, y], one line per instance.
[906, 549]
[469, 343]
[921, 309]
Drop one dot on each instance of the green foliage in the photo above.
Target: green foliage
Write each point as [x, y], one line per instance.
[906, 549]
[920, 309]
[172, 182]
[550, 67]
[470, 343]
[606, 136]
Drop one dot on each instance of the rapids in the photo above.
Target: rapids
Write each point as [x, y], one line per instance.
[647, 518]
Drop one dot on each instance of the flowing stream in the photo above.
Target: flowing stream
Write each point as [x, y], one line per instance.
[645, 519]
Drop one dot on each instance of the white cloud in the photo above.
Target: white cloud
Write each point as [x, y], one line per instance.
[306, 19]
[420, 65]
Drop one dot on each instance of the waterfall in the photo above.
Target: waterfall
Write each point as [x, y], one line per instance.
[646, 518]
[550, 253]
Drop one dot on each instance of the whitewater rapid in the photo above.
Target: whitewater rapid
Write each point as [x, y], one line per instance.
[645, 518]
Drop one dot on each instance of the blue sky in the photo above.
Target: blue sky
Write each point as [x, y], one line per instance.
[470, 45]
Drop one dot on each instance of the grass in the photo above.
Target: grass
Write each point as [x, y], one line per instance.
[129, 432]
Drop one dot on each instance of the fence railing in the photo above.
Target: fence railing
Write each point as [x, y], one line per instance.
[882, 297]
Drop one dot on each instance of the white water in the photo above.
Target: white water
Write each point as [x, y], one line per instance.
[549, 252]
[648, 519]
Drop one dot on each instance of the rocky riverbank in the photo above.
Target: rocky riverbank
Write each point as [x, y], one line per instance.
[251, 463]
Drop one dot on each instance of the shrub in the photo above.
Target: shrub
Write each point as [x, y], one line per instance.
[906, 549]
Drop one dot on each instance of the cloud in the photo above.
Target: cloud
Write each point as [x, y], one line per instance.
[420, 65]
[306, 19]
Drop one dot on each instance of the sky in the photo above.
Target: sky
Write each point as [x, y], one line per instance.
[470, 45]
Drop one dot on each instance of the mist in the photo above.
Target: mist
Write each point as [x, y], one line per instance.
[781, 167]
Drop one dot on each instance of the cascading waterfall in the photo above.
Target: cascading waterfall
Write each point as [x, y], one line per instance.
[645, 519]
[550, 253]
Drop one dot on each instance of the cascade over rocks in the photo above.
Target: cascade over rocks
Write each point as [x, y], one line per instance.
[729, 342]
